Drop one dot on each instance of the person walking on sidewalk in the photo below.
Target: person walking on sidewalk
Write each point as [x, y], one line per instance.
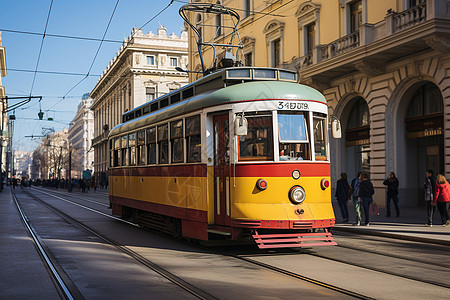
[442, 198]
[366, 192]
[429, 185]
[342, 196]
[354, 190]
[392, 194]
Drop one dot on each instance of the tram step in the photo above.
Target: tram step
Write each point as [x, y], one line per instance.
[293, 240]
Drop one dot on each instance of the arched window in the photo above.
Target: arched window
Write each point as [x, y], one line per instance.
[427, 100]
[359, 114]
[425, 110]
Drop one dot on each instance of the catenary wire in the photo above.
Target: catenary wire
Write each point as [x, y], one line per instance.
[40, 49]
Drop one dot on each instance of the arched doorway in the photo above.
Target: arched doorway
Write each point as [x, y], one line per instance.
[424, 143]
[357, 137]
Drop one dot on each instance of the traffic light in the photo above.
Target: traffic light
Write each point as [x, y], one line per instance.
[41, 115]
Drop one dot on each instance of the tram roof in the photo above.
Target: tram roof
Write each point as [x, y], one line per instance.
[248, 91]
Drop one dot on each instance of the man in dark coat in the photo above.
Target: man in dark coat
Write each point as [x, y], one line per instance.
[366, 192]
[342, 195]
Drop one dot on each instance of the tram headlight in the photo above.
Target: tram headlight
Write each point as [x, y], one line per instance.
[297, 194]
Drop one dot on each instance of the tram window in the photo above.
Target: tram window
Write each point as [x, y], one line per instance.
[151, 145]
[132, 148]
[175, 98]
[320, 128]
[176, 138]
[193, 139]
[258, 143]
[154, 106]
[146, 109]
[141, 147]
[124, 145]
[116, 152]
[164, 102]
[188, 93]
[163, 144]
[293, 135]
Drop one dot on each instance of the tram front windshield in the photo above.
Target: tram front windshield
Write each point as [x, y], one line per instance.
[293, 137]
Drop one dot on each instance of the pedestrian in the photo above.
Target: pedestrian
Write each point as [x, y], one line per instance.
[429, 185]
[354, 190]
[392, 194]
[365, 195]
[442, 198]
[342, 196]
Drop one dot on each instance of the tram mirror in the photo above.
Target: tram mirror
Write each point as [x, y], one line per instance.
[240, 125]
[336, 129]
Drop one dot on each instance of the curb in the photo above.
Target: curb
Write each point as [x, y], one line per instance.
[393, 235]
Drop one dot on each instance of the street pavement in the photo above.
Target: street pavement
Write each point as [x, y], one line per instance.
[410, 225]
[22, 273]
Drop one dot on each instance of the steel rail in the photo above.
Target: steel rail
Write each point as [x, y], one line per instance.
[285, 272]
[62, 287]
[197, 292]
[301, 277]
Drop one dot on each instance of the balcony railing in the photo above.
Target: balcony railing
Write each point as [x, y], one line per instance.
[394, 22]
[410, 17]
[100, 138]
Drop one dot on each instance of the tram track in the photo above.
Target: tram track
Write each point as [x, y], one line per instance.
[247, 260]
[193, 290]
[272, 267]
[65, 289]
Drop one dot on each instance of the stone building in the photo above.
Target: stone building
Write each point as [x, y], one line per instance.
[383, 66]
[81, 133]
[3, 115]
[143, 69]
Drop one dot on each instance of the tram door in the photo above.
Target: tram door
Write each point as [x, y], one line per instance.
[222, 170]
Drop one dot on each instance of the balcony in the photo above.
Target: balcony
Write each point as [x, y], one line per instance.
[102, 138]
[423, 27]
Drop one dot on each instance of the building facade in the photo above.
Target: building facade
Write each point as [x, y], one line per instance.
[383, 66]
[80, 135]
[143, 69]
[3, 115]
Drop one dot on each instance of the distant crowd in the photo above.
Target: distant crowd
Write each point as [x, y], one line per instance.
[83, 185]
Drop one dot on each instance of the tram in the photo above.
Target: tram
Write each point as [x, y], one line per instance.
[241, 154]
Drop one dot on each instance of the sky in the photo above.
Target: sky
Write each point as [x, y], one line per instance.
[72, 59]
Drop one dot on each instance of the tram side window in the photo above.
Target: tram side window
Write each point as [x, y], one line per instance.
[116, 152]
[132, 148]
[163, 144]
[193, 139]
[141, 147]
[258, 143]
[151, 145]
[293, 136]
[111, 153]
[320, 130]
[124, 145]
[176, 138]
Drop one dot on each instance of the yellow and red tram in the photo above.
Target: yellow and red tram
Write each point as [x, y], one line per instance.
[241, 154]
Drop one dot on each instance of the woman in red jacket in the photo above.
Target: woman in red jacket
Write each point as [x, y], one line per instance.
[442, 198]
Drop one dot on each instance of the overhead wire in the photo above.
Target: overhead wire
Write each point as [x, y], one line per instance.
[40, 49]
[95, 56]
[60, 36]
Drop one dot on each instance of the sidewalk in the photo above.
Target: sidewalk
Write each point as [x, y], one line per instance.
[23, 275]
[410, 225]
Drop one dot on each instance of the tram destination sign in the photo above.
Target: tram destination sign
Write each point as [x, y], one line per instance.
[302, 105]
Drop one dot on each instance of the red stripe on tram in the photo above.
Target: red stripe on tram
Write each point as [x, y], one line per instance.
[282, 170]
[197, 170]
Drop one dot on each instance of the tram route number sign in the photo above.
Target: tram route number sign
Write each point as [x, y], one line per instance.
[288, 105]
